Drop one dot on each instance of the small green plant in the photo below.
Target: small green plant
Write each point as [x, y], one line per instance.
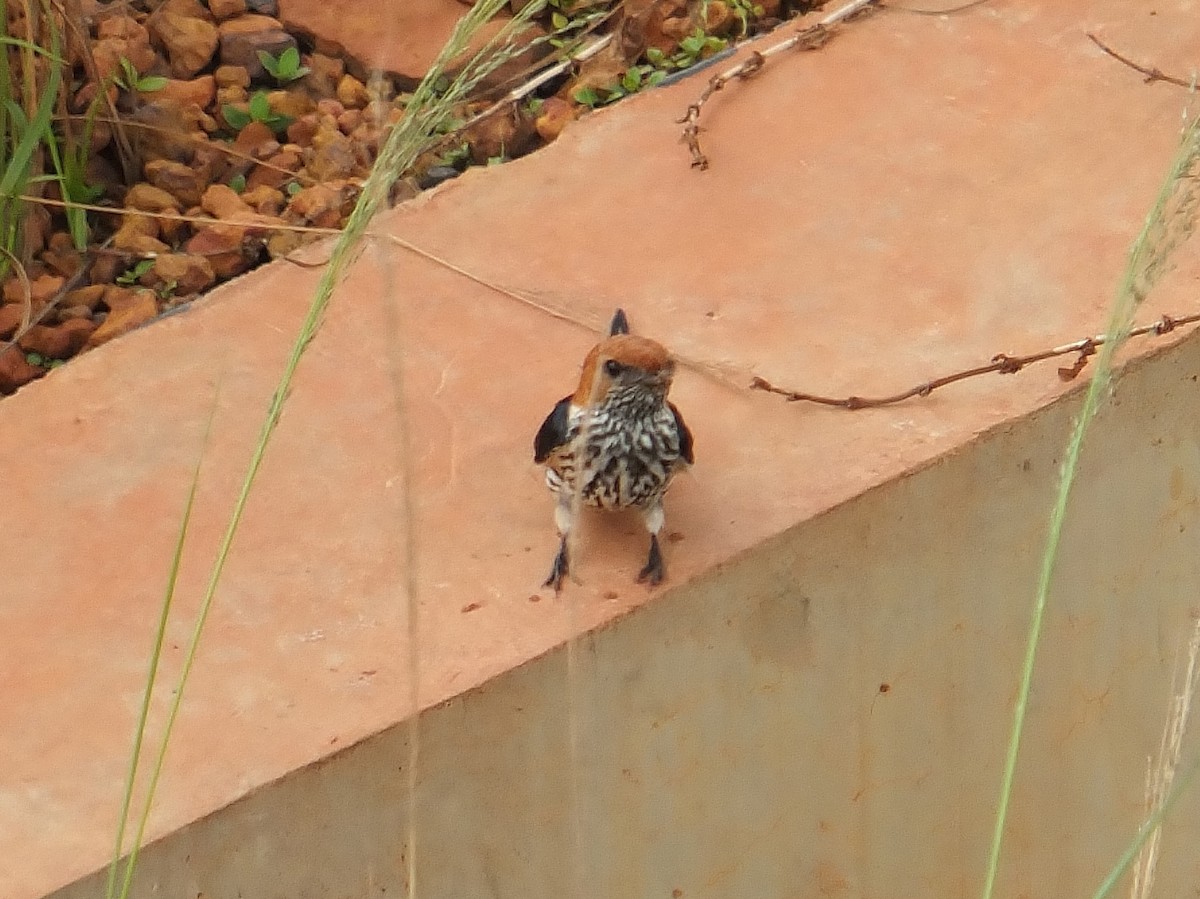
[744, 11]
[257, 110]
[293, 188]
[238, 183]
[36, 359]
[132, 274]
[456, 155]
[166, 290]
[693, 48]
[567, 26]
[131, 80]
[284, 68]
[634, 79]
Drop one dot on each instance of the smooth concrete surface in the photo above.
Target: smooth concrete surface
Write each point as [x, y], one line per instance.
[917, 196]
[826, 716]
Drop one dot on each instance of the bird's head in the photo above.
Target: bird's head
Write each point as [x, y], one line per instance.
[625, 363]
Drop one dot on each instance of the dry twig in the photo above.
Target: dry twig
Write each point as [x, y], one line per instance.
[810, 38]
[1002, 364]
[1152, 73]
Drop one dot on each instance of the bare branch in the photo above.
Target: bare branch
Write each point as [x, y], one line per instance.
[1001, 364]
[810, 38]
[1152, 74]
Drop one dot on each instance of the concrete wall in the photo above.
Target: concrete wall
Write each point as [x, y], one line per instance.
[826, 716]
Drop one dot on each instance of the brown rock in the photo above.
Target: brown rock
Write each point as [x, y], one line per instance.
[234, 95]
[253, 136]
[10, 319]
[302, 130]
[60, 255]
[171, 130]
[200, 91]
[108, 53]
[324, 75]
[42, 289]
[232, 76]
[293, 102]
[222, 202]
[221, 245]
[272, 177]
[508, 134]
[15, 370]
[251, 24]
[177, 179]
[330, 107]
[319, 205]
[134, 226]
[189, 42]
[66, 313]
[190, 274]
[148, 198]
[352, 93]
[87, 297]
[226, 9]
[719, 19]
[242, 38]
[332, 155]
[555, 114]
[283, 242]
[57, 342]
[124, 27]
[105, 269]
[117, 297]
[265, 200]
[124, 317]
[192, 9]
[85, 95]
[349, 120]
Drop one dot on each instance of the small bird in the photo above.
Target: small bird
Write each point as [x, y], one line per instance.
[616, 442]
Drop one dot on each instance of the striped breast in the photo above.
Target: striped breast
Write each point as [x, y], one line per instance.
[628, 455]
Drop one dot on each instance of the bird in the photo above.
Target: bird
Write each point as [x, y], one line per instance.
[616, 442]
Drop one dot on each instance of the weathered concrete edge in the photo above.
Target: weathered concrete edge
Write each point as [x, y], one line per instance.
[338, 827]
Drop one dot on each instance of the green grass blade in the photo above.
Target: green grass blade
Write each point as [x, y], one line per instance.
[1170, 221]
[1152, 823]
[405, 143]
[156, 653]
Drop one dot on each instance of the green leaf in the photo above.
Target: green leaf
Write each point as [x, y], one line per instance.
[293, 188]
[260, 107]
[692, 44]
[151, 83]
[632, 80]
[237, 119]
[656, 56]
[587, 97]
[269, 62]
[558, 21]
[289, 61]
[238, 182]
[658, 76]
[35, 359]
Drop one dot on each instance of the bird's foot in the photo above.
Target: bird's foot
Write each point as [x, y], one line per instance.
[558, 571]
[654, 571]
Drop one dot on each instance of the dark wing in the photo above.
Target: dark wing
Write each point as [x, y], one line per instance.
[553, 432]
[685, 437]
[620, 324]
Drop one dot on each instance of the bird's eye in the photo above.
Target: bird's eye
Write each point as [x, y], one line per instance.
[613, 367]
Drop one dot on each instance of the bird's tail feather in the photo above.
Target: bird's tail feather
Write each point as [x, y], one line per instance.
[620, 324]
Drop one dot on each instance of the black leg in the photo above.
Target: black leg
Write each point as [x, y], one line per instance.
[558, 570]
[655, 571]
